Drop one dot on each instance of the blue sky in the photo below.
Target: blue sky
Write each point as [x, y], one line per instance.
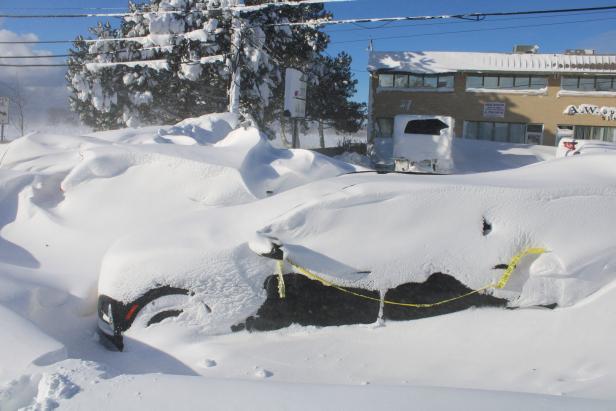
[553, 34]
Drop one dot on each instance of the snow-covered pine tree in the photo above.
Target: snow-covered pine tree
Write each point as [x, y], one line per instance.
[268, 49]
[178, 75]
[331, 87]
[167, 39]
[94, 93]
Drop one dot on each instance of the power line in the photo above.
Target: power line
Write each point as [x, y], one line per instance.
[62, 8]
[389, 26]
[33, 65]
[242, 8]
[111, 39]
[441, 33]
[467, 16]
[563, 13]
[202, 60]
[102, 53]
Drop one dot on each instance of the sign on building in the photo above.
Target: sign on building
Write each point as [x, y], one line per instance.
[4, 110]
[494, 109]
[295, 93]
[607, 113]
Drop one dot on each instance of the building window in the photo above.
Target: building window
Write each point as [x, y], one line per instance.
[490, 82]
[417, 81]
[503, 132]
[517, 133]
[401, 81]
[605, 84]
[386, 80]
[537, 83]
[522, 82]
[587, 83]
[595, 133]
[430, 81]
[445, 81]
[506, 82]
[384, 127]
[569, 83]
[474, 82]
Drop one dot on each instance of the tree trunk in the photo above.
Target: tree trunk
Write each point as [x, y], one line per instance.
[321, 134]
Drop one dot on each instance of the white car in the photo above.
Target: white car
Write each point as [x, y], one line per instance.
[571, 147]
[359, 247]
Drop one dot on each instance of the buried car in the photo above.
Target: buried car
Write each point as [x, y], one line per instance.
[359, 247]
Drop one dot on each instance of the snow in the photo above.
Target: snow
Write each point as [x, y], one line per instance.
[453, 61]
[530, 92]
[180, 203]
[153, 64]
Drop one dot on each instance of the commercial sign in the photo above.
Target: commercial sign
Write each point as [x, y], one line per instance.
[495, 109]
[4, 110]
[295, 93]
[607, 113]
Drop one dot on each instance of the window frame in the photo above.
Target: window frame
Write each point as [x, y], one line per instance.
[595, 79]
[526, 81]
[380, 78]
[437, 82]
[492, 125]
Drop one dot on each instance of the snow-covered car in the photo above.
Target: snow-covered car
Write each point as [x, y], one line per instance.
[572, 147]
[403, 239]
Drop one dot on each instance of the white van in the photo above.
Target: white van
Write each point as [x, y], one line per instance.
[423, 143]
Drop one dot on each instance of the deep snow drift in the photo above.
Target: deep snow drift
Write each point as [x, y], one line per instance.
[66, 201]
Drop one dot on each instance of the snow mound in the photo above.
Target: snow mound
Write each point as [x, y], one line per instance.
[65, 199]
[28, 345]
[37, 392]
[208, 129]
[179, 204]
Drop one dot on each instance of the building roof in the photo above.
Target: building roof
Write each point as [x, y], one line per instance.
[448, 62]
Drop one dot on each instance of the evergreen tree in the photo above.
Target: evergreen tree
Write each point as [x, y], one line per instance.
[329, 96]
[184, 36]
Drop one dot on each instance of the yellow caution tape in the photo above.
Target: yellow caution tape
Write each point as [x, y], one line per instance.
[502, 282]
[514, 263]
[281, 286]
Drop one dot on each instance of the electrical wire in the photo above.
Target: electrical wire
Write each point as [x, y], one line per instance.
[388, 20]
[467, 16]
[102, 53]
[390, 26]
[238, 8]
[442, 33]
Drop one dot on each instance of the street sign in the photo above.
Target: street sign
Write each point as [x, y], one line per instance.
[4, 110]
[295, 93]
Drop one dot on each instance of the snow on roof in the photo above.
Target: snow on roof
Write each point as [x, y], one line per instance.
[447, 62]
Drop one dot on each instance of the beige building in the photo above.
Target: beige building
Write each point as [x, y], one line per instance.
[520, 97]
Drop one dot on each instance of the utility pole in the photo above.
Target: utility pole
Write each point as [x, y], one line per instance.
[4, 115]
[295, 138]
[234, 63]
